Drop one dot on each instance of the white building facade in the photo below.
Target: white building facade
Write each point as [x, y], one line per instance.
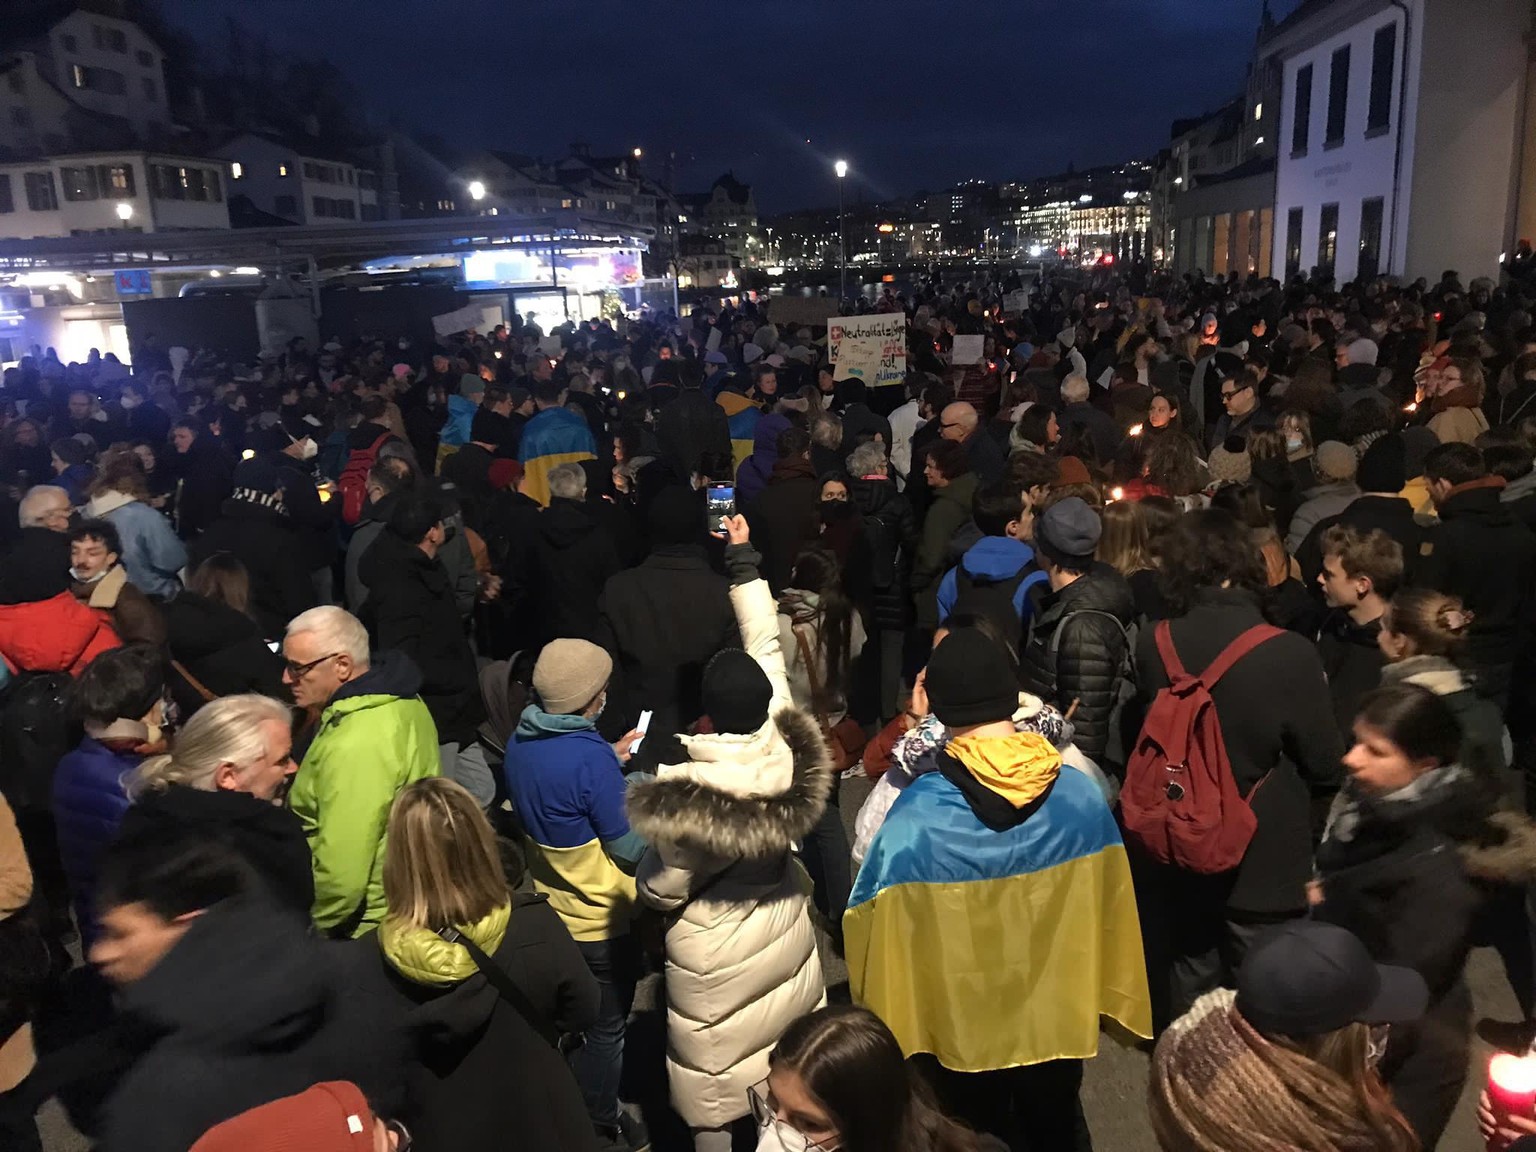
[83, 194]
[285, 179]
[1400, 136]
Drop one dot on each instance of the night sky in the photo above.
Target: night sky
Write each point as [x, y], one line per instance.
[913, 95]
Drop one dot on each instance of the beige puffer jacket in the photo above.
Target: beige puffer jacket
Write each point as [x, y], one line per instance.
[741, 960]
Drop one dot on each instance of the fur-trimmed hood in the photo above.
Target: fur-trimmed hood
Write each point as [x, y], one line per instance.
[1506, 853]
[680, 806]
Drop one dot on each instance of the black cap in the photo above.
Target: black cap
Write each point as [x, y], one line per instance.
[1306, 978]
[737, 692]
[971, 680]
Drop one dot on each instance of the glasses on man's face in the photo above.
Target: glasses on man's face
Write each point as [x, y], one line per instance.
[1228, 393]
[786, 1137]
[297, 672]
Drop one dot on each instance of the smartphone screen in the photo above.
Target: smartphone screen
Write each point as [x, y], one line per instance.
[722, 503]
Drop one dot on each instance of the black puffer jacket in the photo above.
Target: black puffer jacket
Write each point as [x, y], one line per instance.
[574, 558]
[221, 648]
[879, 575]
[1089, 661]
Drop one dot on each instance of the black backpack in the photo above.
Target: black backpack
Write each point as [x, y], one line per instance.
[35, 733]
[991, 598]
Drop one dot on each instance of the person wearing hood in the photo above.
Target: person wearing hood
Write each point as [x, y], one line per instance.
[1336, 467]
[255, 528]
[752, 477]
[314, 520]
[784, 515]
[226, 1002]
[567, 784]
[43, 626]
[374, 736]
[667, 617]
[741, 960]
[574, 557]
[411, 612]
[1361, 572]
[119, 700]
[224, 780]
[1483, 556]
[485, 1026]
[1408, 838]
[1003, 558]
[996, 827]
[100, 581]
[72, 469]
[462, 406]
[152, 554]
[204, 477]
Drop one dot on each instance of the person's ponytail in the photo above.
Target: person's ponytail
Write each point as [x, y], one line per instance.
[223, 731]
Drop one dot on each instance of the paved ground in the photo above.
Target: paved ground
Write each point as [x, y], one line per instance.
[1114, 1092]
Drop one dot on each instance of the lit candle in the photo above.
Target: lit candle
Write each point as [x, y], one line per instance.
[1512, 1084]
[1135, 430]
[1117, 493]
[1410, 408]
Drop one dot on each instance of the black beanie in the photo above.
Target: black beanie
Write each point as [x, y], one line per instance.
[736, 692]
[971, 680]
[1384, 467]
[676, 516]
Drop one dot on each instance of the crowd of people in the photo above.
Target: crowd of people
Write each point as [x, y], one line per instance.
[376, 716]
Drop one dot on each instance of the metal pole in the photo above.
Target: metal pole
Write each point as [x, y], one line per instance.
[842, 245]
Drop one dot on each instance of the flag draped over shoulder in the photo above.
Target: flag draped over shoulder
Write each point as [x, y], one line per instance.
[554, 436]
[992, 949]
[741, 416]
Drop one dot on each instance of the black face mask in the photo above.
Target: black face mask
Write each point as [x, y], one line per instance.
[833, 511]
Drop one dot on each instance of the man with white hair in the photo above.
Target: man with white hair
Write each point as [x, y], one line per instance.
[1077, 412]
[961, 423]
[373, 737]
[45, 506]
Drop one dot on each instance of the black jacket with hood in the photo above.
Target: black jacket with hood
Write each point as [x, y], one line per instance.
[244, 1009]
[477, 1067]
[574, 558]
[879, 578]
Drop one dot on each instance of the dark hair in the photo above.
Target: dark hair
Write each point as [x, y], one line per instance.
[1416, 720]
[1034, 424]
[937, 396]
[850, 1063]
[547, 391]
[1033, 470]
[191, 424]
[373, 407]
[1206, 549]
[392, 474]
[120, 683]
[99, 530]
[1159, 513]
[415, 514]
[1170, 462]
[851, 391]
[1458, 463]
[949, 458]
[995, 505]
[1245, 502]
[494, 394]
[792, 442]
[223, 578]
[1505, 452]
[817, 570]
[172, 871]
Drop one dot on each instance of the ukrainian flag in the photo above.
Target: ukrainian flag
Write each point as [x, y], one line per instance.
[554, 436]
[741, 415]
[997, 949]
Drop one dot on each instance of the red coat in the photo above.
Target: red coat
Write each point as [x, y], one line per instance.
[56, 635]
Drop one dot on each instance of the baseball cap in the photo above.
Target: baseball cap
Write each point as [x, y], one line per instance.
[1307, 977]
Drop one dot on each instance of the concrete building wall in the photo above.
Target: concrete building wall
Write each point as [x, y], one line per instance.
[85, 40]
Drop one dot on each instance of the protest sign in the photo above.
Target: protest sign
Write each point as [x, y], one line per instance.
[860, 358]
[460, 320]
[1016, 302]
[888, 328]
[967, 350]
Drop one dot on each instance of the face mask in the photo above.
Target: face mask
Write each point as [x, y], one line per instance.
[308, 449]
[777, 1136]
[75, 573]
[129, 403]
[1293, 443]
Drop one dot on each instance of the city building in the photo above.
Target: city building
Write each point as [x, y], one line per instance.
[1405, 136]
[275, 179]
[122, 191]
[727, 213]
[57, 58]
[1080, 216]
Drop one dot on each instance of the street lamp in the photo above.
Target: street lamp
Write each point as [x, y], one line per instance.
[476, 190]
[841, 168]
[124, 210]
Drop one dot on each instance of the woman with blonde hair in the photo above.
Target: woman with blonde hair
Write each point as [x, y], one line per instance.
[487, 983]
[1123, 542]
[1288, 1060]
[225, 777]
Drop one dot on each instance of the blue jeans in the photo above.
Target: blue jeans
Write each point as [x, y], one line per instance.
[599, 1063]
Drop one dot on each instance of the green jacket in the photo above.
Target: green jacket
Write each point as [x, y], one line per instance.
[950, 509]
[374, 738]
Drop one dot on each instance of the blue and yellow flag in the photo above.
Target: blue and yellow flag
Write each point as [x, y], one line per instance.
[997, 949]
[554, 436]
[741, 416]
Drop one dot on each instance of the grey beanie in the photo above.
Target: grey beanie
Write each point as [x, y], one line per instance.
[569, 674]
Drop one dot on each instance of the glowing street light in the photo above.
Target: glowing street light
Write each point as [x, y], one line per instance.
[476, 190]
[841, 168]
[639, 152]
[124, 210]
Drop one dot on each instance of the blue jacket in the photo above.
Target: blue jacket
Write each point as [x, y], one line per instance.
[89, 799]
[995, 559]
[152, 552]
[75, 480]
[461, 417]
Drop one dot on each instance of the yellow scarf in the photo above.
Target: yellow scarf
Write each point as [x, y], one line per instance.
[423, 956]
[1018, 768]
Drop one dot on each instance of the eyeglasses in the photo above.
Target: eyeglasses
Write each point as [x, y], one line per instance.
[786, 1137]
[298, 671]
[1228, 394]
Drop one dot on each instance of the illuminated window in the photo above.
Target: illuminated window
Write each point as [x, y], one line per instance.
[565, 203]
[282, 169]
[237, 170]
[1258, 110]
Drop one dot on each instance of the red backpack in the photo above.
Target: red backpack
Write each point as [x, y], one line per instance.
[1180, 803]
[353, 482]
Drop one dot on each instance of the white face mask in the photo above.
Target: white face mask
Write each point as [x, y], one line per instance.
[129, 403]
[308, 449]
[75, 573]
[778, 1136]
[1293, 443]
